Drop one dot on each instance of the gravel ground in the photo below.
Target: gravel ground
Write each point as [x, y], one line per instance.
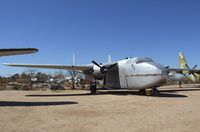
[176, 110]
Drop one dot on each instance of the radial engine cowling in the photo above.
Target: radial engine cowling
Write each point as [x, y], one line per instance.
[97, 74]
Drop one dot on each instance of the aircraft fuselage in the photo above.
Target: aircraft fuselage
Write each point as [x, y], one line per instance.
[135, 73]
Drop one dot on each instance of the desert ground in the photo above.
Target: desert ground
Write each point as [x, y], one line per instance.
[176, 110]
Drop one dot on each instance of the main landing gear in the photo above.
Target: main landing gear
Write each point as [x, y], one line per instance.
[93, 87]
[153, 92]
[142, 92]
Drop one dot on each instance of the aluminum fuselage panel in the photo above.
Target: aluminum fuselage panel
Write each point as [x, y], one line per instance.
[132, 75]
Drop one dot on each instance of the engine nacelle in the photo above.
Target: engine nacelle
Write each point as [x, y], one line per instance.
[177, 77]
[97, 73]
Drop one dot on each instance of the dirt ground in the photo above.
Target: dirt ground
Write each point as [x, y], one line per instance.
[176, 110]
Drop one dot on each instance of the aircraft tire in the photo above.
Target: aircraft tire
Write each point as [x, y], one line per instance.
[93, 88]
[155, 92]
[142, 92]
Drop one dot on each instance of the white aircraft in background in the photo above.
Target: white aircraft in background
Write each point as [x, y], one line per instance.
[17, 51]
[131, 73]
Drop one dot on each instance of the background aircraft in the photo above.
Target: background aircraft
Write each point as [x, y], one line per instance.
[131, 73]
[185, 75]
[193, 76]
[17, 51]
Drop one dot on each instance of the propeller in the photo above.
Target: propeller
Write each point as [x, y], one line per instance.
[194, 67]
[191, 72]
[104, 69]
[94, 62]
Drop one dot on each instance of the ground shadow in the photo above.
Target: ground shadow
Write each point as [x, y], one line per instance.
[124, 93]
[179, 90]
[22, 103]
[58, 95]
[170, 95]
[108, 92]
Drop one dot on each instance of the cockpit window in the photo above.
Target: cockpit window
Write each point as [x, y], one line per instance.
[140, 60]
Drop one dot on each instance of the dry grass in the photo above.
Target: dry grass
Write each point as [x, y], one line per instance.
[176, 110]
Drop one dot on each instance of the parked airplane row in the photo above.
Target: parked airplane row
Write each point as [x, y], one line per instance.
[132, 73]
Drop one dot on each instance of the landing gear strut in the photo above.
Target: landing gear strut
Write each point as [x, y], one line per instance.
[180, 83]
[93, 87]
[142, 92]
[155, 92]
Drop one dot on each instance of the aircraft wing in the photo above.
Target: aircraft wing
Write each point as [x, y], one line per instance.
[8, 52]
[181, 70]
[51, 66]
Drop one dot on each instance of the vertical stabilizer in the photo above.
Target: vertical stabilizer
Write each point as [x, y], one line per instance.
[183, 63]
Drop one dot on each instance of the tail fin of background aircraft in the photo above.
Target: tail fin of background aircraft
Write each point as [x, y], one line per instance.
[182, 63]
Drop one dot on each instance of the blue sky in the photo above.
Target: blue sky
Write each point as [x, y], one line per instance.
[159, 29]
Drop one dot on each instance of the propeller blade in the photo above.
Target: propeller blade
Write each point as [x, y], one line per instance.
[110, 67]
[194, 67]
[96, 64]
[194, 74]
[104, 79]
[187, 66]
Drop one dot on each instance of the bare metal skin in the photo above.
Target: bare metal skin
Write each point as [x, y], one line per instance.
[131, 73]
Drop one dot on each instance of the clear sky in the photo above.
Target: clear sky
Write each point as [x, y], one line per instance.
[159, 29]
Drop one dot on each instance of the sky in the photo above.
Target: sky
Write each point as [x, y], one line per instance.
[94, 29]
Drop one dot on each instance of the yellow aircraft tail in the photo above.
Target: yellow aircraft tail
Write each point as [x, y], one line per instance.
[183, 63]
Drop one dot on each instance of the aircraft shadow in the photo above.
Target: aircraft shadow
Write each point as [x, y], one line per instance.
[111, 92]
[22, 103]
[124, 93]
[179, 90]
[170, 95]
[59, 95]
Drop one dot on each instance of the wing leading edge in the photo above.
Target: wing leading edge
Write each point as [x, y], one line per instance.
[13, 51]
[182, 70]
[51, 66]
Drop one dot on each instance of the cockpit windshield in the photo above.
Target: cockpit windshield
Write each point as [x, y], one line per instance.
[145, 59]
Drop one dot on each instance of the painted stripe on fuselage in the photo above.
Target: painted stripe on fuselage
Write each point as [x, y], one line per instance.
[138, 75]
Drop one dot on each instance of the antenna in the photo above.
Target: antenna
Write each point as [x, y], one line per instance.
[109, 59]
[74, 59]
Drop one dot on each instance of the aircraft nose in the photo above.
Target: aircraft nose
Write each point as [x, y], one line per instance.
[160, 72]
